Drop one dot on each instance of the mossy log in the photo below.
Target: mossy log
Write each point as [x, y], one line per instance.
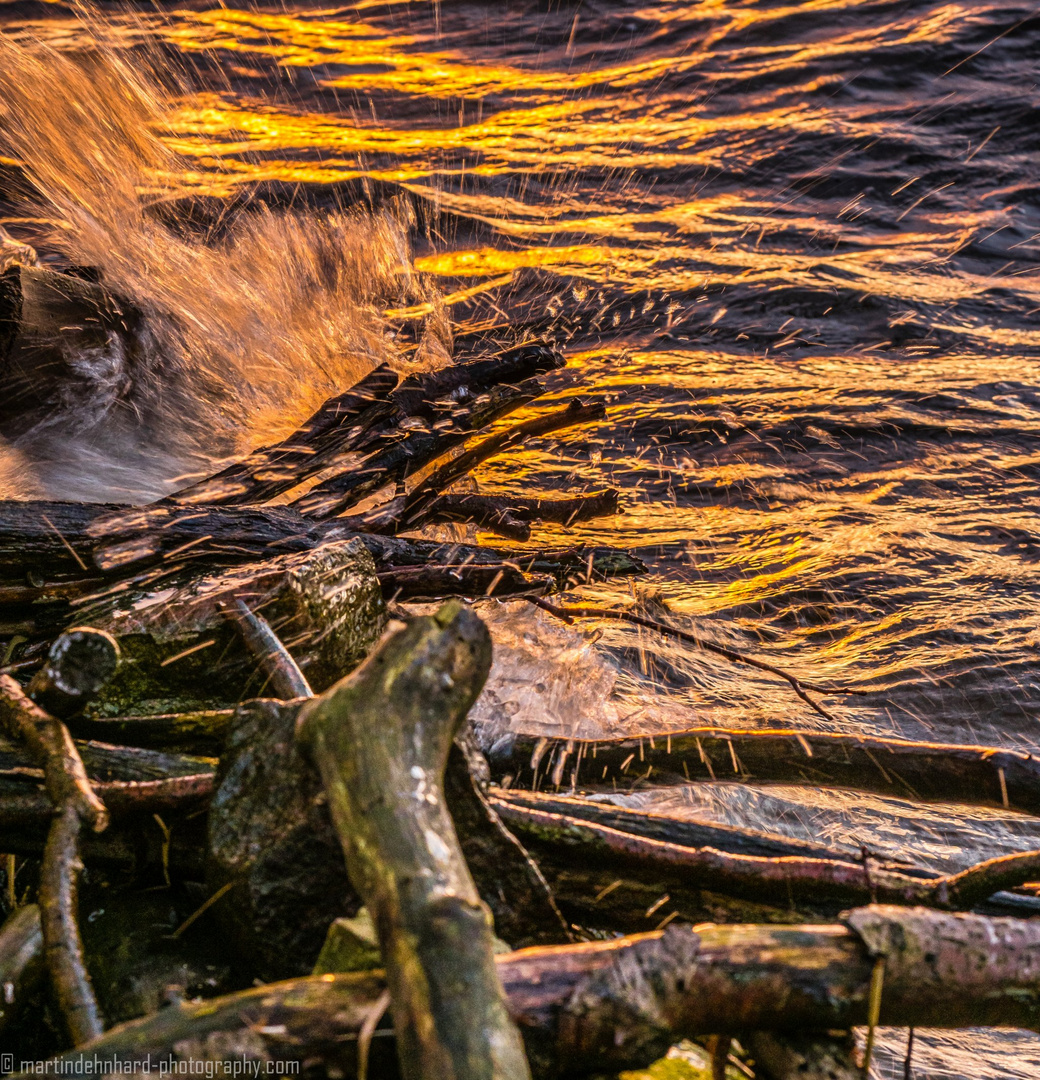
[381, 740]
[606, 1006]
[183, 646]
[948, 772]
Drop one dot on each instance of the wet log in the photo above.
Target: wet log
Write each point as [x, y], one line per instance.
[407, 454]
[22, 965]
[78, 667]
[381, 740]
[149, 545]
[333, 430]
[948, 772]
[185, 647]
[606, 1006]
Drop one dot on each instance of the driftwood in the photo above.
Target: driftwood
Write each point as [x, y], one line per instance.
[75, 805]
[947, 772]
[612, 1005]
[381, 741]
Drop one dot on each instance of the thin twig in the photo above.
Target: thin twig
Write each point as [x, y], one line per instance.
[800, 686]
[286, 678]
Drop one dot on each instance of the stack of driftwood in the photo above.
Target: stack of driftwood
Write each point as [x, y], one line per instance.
[297, 857]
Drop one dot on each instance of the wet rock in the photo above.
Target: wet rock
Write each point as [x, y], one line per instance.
[271, 839]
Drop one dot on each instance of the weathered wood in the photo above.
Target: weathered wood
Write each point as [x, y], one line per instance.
[606, 1006]
[381, 740]
[80, 663]
[272, 840]
[331, 431]
[406, 455]
[948, 772]
[184, 651]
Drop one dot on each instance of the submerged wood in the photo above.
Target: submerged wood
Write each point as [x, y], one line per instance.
[796, 879]
[381, 740]
[948, 772]
[605, 1006]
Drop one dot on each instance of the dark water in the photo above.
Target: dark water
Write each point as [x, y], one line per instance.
[795, 247]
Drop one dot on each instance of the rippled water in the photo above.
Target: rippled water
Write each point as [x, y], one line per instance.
[795, 247]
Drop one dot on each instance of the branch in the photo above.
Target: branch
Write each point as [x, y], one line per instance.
[606, 1006]
[281, 669]
[421, 499]
[947, 772]
[381, 740]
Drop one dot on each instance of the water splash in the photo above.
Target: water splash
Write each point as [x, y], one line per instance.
[221, 341]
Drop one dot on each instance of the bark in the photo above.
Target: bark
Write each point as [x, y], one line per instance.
[611, 1005]
[381, 741]
[979, 775]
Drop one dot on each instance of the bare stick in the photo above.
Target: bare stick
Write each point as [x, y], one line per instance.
[381, 739]
[64, 948]
[283, 672]
[799, 686]
[51, 745]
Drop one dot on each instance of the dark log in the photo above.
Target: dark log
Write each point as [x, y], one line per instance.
[80, 662]
[381, 740]
[406, 455]
[202, 733]
[947, 772]
[419, 501]
[128, 544]
[331, 431]
[22, 965]
[611, 1005]
[464, 579]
